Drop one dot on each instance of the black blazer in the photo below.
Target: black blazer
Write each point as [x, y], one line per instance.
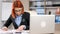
[25, 21]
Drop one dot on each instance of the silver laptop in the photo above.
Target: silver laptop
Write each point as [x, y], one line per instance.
[42, 24]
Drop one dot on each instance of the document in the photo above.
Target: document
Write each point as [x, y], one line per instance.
[13, 32]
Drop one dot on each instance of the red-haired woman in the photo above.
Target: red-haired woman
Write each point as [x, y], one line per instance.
[19, 18]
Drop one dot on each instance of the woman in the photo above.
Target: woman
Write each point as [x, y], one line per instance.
[19, 18]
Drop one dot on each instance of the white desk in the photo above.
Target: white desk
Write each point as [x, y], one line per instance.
[14, 32]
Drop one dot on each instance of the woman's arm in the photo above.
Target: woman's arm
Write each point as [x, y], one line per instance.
[8, 22]
[27, 21]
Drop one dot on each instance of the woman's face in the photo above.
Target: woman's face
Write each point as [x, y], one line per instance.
[18, 11]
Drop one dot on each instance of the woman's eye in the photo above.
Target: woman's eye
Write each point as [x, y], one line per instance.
[19, 10]
[15, 10]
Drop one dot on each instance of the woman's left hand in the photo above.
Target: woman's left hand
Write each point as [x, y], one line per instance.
[20, 28]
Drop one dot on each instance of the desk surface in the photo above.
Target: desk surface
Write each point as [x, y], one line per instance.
[11, 31]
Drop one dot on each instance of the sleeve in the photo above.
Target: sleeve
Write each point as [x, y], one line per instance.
[28, 22]
[8, 22]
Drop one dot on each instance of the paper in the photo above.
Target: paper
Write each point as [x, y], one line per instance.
[13, 32]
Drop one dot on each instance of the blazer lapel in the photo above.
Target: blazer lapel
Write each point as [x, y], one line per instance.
[14, 22]
[22, 20]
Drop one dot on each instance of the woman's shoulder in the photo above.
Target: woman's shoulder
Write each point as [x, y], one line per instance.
[26, 13]
[11, 16]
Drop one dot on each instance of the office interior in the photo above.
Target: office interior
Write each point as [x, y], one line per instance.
[37, 7]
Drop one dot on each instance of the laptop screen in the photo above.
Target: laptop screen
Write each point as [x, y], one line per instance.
[57, 19]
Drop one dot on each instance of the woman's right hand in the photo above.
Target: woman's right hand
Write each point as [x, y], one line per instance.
[5, 28]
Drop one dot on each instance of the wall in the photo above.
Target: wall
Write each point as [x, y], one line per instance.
[0, 13]
[26, 4]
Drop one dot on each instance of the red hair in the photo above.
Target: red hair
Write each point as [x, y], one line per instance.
[17, 4]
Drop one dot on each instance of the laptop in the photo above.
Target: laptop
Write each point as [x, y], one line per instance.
[42, 24]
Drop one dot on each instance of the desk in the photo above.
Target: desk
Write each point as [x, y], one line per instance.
[14, 32]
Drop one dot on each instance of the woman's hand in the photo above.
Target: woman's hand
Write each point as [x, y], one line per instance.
[5, 28]
[20, 28]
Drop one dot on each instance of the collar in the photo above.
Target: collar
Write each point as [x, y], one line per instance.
[19, 15]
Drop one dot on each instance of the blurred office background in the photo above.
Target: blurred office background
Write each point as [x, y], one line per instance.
[39, 7]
